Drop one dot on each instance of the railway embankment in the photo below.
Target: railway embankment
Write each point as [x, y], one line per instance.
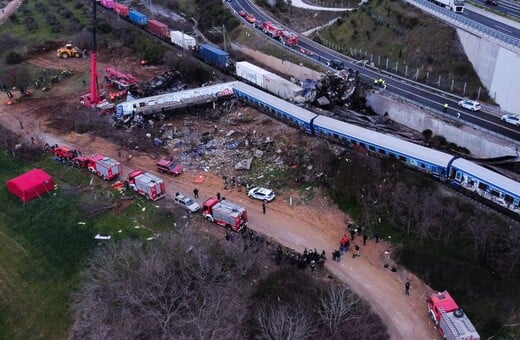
[482, 143]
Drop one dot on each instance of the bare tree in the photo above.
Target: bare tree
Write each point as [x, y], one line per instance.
[280, 323]
[338, 306]
[178, 286]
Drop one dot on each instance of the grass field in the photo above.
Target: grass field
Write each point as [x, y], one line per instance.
[43, 244]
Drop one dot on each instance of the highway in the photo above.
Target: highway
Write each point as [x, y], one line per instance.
[417, 93]
[495, 24]
[507, 7]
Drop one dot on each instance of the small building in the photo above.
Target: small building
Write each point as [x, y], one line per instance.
[30, 185]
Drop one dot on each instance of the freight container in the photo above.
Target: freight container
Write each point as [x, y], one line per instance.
[158, 28]
[137, 18]
[251, 73]
[214, 55]
[107, 3]
[182, 40]
[121, 9]
[268, 81]
[281, 87]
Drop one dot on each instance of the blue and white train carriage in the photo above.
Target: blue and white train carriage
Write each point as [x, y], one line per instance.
[416, 156]
[281, 109]
[486, 183]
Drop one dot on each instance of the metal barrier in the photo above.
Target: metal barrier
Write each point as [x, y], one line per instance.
[465, 23]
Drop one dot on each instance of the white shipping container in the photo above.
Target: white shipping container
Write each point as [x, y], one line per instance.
[182, 40]
[281, 87]
[251, 73]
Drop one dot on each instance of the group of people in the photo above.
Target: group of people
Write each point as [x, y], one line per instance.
[309, 258]
[233, 181]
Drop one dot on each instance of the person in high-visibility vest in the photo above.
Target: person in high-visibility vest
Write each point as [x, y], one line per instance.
[376, 81]
[381, 82]
[445, 107]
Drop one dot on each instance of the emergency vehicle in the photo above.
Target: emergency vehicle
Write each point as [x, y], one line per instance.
[227, 214]
[146, 184]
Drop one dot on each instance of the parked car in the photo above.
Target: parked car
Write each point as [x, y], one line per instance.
[511, 119]
[262, 194]
[470, 105]
[187, 203]
[168, 165]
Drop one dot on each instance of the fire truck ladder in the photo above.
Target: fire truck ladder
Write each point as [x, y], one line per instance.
[449, 322]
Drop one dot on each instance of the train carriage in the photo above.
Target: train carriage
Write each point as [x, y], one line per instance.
[416, 156]
[486, 183]
[278, 107]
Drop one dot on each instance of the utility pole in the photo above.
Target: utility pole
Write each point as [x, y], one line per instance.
[221, 30]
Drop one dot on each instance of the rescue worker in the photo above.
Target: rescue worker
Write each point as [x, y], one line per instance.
[407, 288]
[445, 109]
[376, 82]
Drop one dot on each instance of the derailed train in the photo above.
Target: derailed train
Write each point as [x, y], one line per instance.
[459, 172]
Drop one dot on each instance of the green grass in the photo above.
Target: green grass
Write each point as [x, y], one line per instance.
[43, 247]
[402, 33]
[16, 28]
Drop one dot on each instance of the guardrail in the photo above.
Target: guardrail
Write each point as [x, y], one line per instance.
[465, 23]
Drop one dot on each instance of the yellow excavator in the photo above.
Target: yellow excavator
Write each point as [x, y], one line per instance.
[69, 51]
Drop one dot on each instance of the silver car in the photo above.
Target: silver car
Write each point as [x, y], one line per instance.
[262, 194]
[511, 119]
[470, 105]
[187, 203]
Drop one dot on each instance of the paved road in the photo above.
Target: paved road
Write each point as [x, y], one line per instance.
[427, 97]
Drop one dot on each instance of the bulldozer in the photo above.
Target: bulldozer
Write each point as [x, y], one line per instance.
[68, 51]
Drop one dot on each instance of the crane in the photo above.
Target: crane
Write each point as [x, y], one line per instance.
[93, 98]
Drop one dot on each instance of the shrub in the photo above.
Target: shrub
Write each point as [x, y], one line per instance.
[13, 58]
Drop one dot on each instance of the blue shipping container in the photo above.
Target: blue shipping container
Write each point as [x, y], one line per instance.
[137, 18]
[214, 55]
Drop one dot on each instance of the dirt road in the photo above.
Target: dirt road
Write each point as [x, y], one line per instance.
[319, 224]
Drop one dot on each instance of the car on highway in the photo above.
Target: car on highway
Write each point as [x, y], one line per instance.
[469, 104]
[511, 119]
[491, 2]
[262, 194]
[187, 203]
[242, 13]
[336, 64]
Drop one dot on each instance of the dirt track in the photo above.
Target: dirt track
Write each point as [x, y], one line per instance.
[319, 224]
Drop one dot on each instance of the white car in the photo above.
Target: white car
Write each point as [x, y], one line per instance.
[262, 194]
[511, 119]
[187, 203]
[470, 105]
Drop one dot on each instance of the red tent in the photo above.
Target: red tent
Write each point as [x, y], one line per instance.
[30, 185]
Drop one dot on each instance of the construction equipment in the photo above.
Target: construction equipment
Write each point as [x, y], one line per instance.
[227, 214]
[93, 99]
[451, 321]
[146, 184]
[120, 80]
[69, 51]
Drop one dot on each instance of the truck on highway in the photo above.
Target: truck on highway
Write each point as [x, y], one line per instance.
[450, 320]
[452, 5]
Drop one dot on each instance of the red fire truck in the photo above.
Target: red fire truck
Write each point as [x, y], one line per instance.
[271, 29]
[450, 320]
[289, 38]
[146, 184]
[105, 167]
[225, 213]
